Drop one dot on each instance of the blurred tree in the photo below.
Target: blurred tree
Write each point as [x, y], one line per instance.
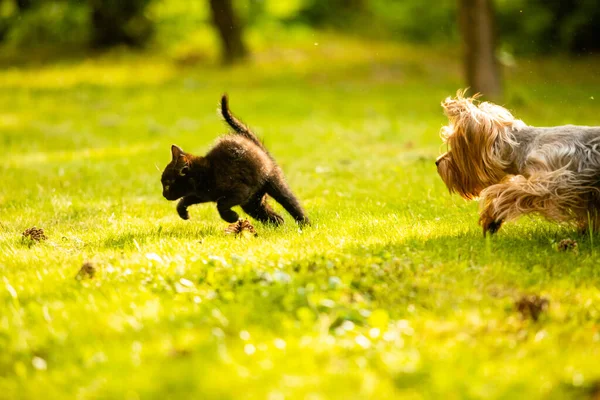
[116, 22]
[477, 24]
[6, 21]
[230, 30]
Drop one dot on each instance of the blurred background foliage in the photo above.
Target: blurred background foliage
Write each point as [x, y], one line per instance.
[524, 26]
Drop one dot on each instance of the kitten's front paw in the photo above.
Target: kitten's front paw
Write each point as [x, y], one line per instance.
[183, 212]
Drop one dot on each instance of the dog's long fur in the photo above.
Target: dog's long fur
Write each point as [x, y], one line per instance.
[518, 169]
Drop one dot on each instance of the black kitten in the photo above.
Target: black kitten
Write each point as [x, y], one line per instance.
[238, 170]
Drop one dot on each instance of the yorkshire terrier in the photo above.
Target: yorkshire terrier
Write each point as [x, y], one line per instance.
[518, 169]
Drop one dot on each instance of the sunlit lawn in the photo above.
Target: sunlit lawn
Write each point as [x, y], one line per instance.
[392, 292]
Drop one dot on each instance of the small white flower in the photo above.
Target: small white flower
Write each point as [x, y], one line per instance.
[249, 349]
[280, 343]
[362, 341]
[39, 363]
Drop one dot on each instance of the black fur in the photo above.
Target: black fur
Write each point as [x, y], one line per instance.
[238, 170]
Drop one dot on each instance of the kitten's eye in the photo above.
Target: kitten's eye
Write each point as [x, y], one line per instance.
[183, 171]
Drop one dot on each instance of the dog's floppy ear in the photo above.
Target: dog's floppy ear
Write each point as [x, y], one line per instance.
[176, 152]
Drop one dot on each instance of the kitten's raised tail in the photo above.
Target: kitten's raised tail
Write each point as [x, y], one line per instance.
[237, 125]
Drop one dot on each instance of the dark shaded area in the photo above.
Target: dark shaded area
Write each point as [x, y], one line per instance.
[116, 22]
[524, 26]
[527, 26]
[24, 5]
[550, 26]
[107, 23]
[576, 22]
[332, 13]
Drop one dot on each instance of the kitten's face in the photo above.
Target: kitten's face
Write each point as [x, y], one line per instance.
[175, 181]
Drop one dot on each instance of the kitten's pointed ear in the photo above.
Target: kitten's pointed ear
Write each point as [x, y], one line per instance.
[176, 152]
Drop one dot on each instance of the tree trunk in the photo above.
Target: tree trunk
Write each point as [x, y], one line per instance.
[230, 30]
[476, 18]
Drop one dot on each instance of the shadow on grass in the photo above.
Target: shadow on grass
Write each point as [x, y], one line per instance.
[515, 246]
[135, 239]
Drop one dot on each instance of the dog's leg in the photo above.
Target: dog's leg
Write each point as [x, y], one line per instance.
[549, 194]
[589, 221]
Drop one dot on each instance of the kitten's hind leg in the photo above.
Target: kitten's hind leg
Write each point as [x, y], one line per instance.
[259, 209]
[278, 189]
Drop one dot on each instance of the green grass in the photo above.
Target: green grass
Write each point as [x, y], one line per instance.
[392, 292]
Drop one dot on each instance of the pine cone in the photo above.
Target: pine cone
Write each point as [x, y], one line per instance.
[531, 306]
[87, 271]
[35, 234]
[241, 228]
[567, 245]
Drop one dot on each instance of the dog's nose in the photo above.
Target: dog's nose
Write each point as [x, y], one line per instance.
[437, 162]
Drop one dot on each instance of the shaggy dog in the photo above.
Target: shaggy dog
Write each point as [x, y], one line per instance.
[519, 169]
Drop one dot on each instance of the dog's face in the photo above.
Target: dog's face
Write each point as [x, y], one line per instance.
[465, 184]
[447, 171]
[478, 136]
